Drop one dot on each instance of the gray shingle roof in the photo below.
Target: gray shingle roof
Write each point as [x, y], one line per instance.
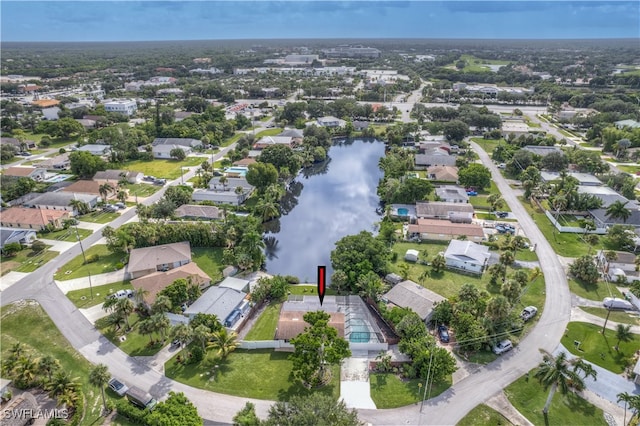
[219, 301]
[408, 294]
[467, 251]
[149, 257]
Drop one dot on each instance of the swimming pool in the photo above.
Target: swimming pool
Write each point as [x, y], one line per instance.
[57, 178]
[241, 171]
[403, 212]
[359, 331]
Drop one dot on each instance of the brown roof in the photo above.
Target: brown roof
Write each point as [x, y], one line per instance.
[441, 208]
[291, 323]
[446, 173]
[156, 282]
[25, 216]
[245, 162]
[19, 171]
[194, 210]
[84, 187]
[435, 226]
[142, 259]
[46, 103]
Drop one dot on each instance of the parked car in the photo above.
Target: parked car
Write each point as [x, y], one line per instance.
[159, 181]
[502, 347]
[109, 208]
[443, 334]
[141, 398]
[24, 154]
[118, 387]
[121, 294]
[120, 205]
[502, 215]
[502, 166]
[617, 303]
[528, 313]
[472, 193]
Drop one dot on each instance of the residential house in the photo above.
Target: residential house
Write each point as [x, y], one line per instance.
[584, 179]
[164, 151]
[245, 162]
[95, 149]
[45, 103]
[443, 173]
[443, 210]
[147, 260]
[408, 294]
[36, 173]
[621, 268]
[292, 133]
[432, 229]
[542, 151]
[291, 322]
[36, 219]
[61, 201]
[434, 157]
[452, 194]
[631, 124]
[86, 123]
[122, 106]
[50, 114]
[114, 176]
[466, 256]
[607, 195]
[225, 300]
[330, 121]
[276, 140]
[181, 142]
[393, 279]
[514, 127]
[16, 235]
[29, 144]
[91, 187]
[359, 126]
[59, 162]
[198, 212]
[601, 219]
[155, 282]
[181, 115]
[234, 191]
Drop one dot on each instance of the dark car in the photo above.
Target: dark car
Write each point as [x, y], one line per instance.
[443, 334]
[502, 215]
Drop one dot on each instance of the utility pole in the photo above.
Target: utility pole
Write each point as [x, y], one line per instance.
[84, 258]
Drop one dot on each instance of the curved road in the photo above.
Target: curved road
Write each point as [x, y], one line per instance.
[448, 408]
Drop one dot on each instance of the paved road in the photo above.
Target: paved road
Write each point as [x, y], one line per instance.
[452, 405]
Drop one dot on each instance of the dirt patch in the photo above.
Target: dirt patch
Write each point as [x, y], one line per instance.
[8, 266]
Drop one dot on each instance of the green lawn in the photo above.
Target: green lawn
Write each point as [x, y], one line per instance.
[563, 243]
[260, 373]
[269, 132]
[29, 324]
[134, 344]
[389, 391]
[209, 260]
[142, 189]
[529, 397]
[480, 201]
[65, 234]
[106, 263]
[483, 415]
[308, 290]
[99, 217]
[265, 326]
[597, 291]
[168, 169]
[628, 169]
[82, 298]
[55, 143]
[474, 64]
[232, 139]
[488, 145]
[598, 348]
[615, 316]
[26, 261]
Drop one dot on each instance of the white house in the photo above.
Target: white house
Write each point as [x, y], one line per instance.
[467, 256]
[330, 122]
[96, 149]
[622, 267]
[122, 106]
[164, 151]
[50, 114]
[412, 255]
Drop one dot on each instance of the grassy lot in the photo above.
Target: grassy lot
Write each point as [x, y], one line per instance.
[598, 348]
[168, 169]
[389, 391]
[260, 373]
[529, 397]
[106, 263]
[308, 290]
[26, 261]
[265, 327]
[30, 325]
[474, 64]
[210, 261]
[55, 143]
[564, 244]
[232, 139]
[480, 201]
[269, 132]
[597, 291]
[65, 234]
[484, 415]
[628, 169]
[135, 343]
[488, 145]
[99, 217]
[82, 298]
[142, 189]
[615, 316]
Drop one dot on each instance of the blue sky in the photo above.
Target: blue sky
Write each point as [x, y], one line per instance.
[201, 20]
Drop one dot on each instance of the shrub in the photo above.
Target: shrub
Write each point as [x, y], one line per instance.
[119, 265]
[292, 279]
[196, 354]
[37, 246]
[394, 256]
[134, 414]
[92, 258]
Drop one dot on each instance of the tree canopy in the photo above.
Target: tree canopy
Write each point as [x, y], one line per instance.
[358, 254]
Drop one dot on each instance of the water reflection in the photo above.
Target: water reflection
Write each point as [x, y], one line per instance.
[339, 198]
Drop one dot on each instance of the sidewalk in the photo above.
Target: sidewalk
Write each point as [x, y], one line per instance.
[59, 246]
[94, 313]
[10, 279]
[83, 282]
[501, 404]
[157, 361]
[91, 226]
[578, 314]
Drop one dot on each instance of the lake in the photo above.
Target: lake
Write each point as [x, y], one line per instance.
[325, 203]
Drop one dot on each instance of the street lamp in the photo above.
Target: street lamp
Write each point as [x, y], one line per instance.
[84, 258]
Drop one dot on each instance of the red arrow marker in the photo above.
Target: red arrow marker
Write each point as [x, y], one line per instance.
[322, 276]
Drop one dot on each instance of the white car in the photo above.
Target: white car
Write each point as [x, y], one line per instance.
[528, 313]
[117, 386]
[502, 347]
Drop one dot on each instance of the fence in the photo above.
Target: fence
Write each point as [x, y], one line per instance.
[572, 229]
[265, 344]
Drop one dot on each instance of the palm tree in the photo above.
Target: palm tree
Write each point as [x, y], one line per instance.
[109, 304]
[124, 307]
[591, 240]
[507, 258]
[224, 342]
[623, 334]
[495, 201]
[147, 327]
[438, 263]
[139, 295]
[104, 190]
[98, 377]
[266, 210]
[69, 398]
[15, 353]
[223, 181]
[161, 324]
[161, 305]
[47, 365]
[561, 372]
[182, 333]
[26, 371]
[61, 383]
[630, 401]
[202, 333]
[618, 210]
[122, 195]
[80, 206]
